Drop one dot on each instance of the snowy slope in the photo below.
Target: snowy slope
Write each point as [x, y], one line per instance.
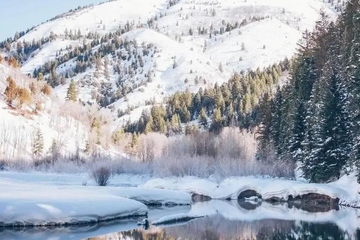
[18, 127]
[94, 18]
[47, 53]
[262, 32]
[266, 42]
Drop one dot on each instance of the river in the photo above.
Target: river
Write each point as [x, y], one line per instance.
[213, 220]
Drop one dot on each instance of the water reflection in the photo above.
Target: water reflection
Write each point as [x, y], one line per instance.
[240, 220]
[220, 220]
[65, 233]
[217, 227]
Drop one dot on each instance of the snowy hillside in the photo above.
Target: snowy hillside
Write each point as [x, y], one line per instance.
[128, 55]
[45, 126]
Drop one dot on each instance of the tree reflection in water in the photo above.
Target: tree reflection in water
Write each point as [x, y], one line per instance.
[217, 227]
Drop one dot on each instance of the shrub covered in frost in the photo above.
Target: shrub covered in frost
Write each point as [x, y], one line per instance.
[101, 175]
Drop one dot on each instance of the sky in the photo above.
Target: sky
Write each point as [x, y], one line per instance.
[19, 15]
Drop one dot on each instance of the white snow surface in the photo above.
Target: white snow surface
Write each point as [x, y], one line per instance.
[46, 199]
[108, 14]
[35, 198]
[32, 204]
[346, 189]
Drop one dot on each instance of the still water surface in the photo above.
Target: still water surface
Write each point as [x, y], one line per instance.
[225, 220]
[216, 227]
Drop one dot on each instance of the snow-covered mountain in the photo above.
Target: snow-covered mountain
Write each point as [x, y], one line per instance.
[129, 54]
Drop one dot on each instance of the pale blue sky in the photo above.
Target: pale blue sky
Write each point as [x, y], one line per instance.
[19, 15]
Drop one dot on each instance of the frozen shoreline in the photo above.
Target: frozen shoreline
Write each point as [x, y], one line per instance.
[25, 203]
[48, 199]
[346, 189]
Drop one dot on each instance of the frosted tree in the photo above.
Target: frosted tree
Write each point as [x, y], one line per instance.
[203, 118]
[106, 69]
[38, 143]
[217, 121]
[71, 94]
[97, 67]
[54, 150]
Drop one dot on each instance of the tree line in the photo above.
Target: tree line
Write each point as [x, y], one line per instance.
[234, 103]
[314, 119]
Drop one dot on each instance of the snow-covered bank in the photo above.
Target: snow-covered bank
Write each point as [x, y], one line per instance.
[346, 189]
[41, 200]
[87, 231]
[152, 197]
[68, 233]
[126, 186]
[53, 199]
[24, 204]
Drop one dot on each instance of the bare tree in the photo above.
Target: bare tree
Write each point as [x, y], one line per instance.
[101, 175]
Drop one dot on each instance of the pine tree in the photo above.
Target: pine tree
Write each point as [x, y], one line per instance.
[54, 150]
[329, 141]
[97, 67]
[40, 76]
[314, 136]
[219, 102]
[264, 131]
[351, 47]
[71, 92]
[158, 119]
[304, 74]
[231, 117]
[191, 129]
[106, 69]
[149, 126]
[134, 140]
[203, 118]
[38, 143]
[175, 124]
[217, 121]
[278, 125]
[87, 147]
[298, 132]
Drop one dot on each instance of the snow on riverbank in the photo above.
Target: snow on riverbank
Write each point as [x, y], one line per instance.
[38, 205]
[48, 198]
[152, 196]
[346, 189]
[41, 200]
